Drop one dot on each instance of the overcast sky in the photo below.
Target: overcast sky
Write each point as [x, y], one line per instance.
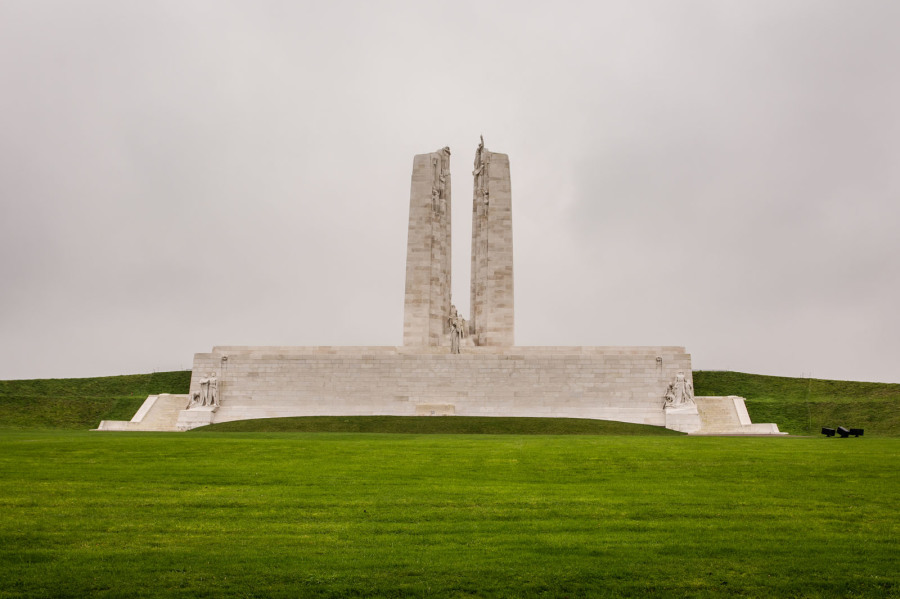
[719, 175]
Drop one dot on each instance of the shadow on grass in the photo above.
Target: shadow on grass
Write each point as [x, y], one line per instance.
[448, 425]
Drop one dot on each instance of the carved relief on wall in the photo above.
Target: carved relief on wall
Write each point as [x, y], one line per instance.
[441, 170]
[482, 162]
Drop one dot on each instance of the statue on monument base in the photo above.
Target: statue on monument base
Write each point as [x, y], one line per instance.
[208, 396]
[680, 393]
[458, 329]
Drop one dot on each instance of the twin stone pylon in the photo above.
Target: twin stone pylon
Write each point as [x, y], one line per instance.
[429, 318]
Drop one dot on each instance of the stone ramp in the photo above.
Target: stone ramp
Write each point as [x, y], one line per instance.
[728, 416]
[157, 413]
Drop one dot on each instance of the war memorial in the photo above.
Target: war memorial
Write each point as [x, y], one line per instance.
[449, 365]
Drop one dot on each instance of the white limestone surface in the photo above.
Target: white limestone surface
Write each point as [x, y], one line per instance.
[426, 305]
[609, 383]
[492, 285]
[157, 413]
[195, 417]
[727, 415]
[684, 419]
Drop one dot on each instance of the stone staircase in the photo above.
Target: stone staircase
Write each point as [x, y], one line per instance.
[164, 414]
[728, 416]
[717, 415]
[158, 413]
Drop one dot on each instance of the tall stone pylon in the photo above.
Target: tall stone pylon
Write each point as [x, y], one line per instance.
[427, 305]
[492, 316]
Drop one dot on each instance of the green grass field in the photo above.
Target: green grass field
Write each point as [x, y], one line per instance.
[528, 507]
[349, 515]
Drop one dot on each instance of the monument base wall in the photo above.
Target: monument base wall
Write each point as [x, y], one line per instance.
[609, 383]
[626, 384]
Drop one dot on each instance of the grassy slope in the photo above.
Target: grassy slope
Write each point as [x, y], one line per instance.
[81, 403]
[804, 406]
[288, 515]
[799, 406]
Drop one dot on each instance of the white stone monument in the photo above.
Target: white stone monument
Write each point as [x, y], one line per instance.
[446, 365]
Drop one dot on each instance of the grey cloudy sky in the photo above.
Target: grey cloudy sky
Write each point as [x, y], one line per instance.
[719, 175]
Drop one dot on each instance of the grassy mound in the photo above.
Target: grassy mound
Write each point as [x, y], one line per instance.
[804, 406]
[82, 403]
[447, 425]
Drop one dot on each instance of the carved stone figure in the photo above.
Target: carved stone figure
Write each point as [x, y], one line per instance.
[458, 329]
[209, 392]
[208, 395]
[442, 193]
[441, 170]
[679, 393]
[435, 188]
[204, 391]
[213, 396]
[480, 172]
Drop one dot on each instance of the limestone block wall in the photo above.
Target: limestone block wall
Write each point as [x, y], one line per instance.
[613, 383]
[427, 300]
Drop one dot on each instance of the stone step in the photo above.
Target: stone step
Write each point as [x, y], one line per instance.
[723, 415]
[718, 415]
[164, 413]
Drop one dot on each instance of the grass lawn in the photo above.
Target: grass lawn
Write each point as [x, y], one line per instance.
[347, 515]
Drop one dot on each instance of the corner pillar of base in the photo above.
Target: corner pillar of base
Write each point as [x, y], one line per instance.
[685, 420]
[195, 417]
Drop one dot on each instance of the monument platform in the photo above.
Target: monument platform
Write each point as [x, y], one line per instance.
[626, 384]
[611, 383]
